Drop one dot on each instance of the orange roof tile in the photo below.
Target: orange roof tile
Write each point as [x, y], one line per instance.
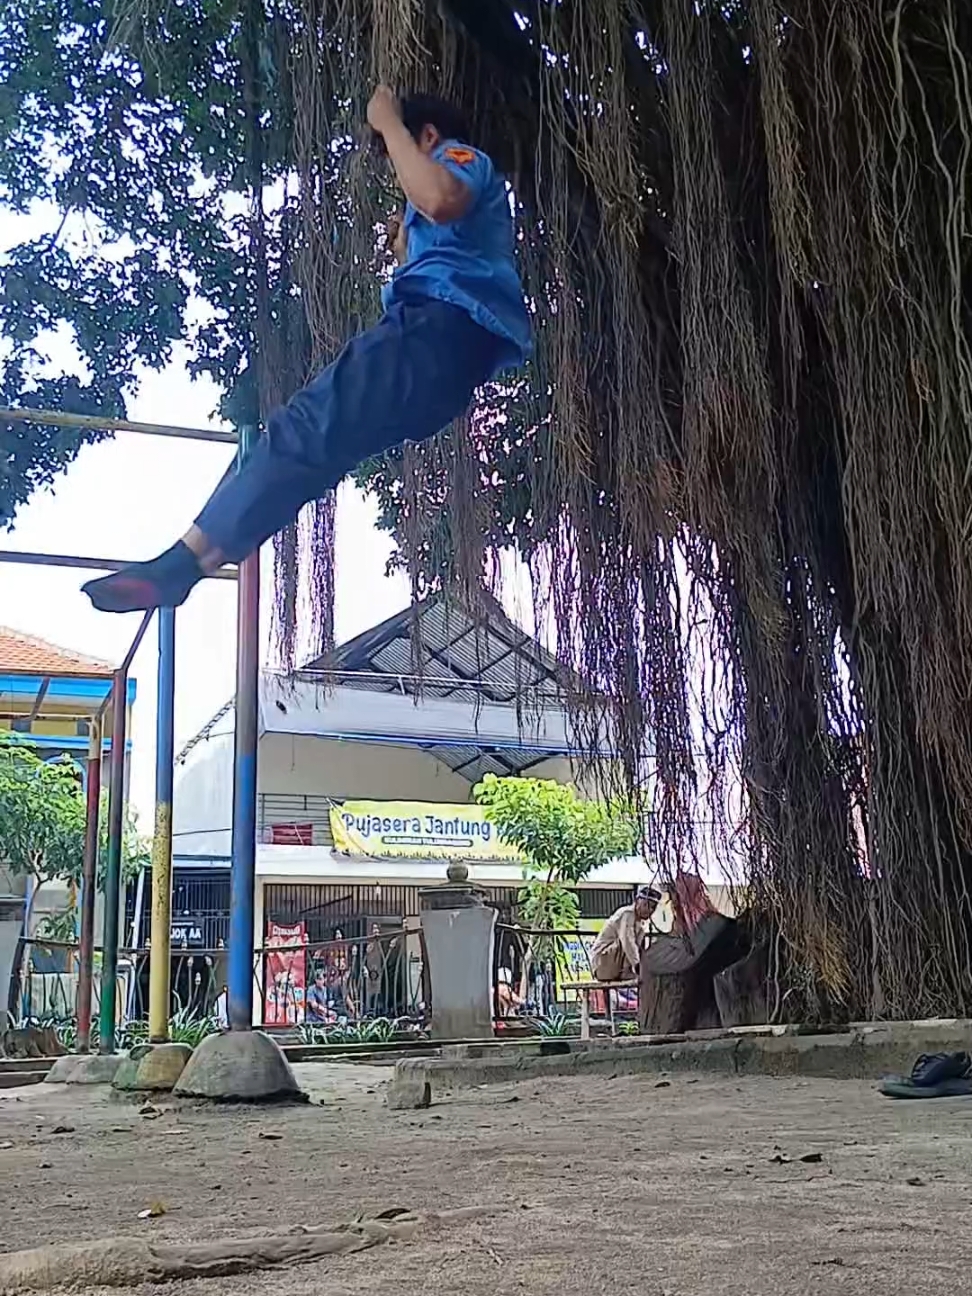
[25, 654]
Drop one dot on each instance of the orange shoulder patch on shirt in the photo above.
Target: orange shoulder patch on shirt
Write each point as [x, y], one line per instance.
[462, 156]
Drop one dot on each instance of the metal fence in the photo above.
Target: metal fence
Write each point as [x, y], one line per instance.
[369, 988]
[335, 988]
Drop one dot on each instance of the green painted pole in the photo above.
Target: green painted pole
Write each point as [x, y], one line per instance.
[116, 827]
[160, 960]
[89, 888]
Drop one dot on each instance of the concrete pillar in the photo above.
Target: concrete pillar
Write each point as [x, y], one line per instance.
[11, 929]
[458, 930]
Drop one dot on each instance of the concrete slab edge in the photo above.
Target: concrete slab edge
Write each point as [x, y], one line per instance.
[863, 1052]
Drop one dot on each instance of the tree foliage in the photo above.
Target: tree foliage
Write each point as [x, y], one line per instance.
[42, 820]
[154, 147]
[41, 815]
[562, 838]
[128, 167]
[560, 835]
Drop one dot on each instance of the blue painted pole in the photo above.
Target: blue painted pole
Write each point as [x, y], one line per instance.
[161, 929]
[243, 848]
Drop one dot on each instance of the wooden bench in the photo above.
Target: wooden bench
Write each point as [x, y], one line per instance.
[585, 989]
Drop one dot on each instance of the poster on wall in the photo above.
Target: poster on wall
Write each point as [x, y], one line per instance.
[406, 829]
[574, 964]
[574, 957]
[285, 980]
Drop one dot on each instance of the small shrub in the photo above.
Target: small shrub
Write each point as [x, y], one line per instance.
[133, 1033]
[187, 1026]
[374, 1030]
[556, 1025]
[377, 1031]
[309, 1033]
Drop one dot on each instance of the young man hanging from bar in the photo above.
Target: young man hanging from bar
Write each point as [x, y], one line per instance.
[454, 318]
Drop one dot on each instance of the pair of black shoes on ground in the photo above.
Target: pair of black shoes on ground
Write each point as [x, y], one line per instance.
[934, 1075]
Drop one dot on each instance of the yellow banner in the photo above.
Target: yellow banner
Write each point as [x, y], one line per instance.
[416, 830]
[573, 961]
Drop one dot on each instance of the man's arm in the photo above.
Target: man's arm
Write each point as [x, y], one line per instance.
[430, 187]
[630, 943]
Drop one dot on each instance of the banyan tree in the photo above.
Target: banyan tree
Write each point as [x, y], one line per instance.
[737, 477]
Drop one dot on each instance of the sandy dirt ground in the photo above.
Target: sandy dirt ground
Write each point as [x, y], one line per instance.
[604, 1185]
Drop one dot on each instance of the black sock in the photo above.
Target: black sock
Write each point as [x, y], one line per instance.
[164, 582]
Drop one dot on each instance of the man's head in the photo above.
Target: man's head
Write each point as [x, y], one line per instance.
[375, 929]
[320, 980]
[646, 902]
[431, 120]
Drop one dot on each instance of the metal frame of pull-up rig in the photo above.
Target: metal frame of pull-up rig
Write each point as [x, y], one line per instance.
[243, 849]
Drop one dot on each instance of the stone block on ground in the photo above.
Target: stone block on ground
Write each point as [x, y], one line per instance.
[95, 1068]
[62, 1068]
[238, 1066]
[126, 1074]
[161, 1067]
[408, 1093]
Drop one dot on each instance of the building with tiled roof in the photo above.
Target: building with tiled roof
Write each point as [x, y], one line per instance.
[24, 652]
[49, 697]
[52, 693]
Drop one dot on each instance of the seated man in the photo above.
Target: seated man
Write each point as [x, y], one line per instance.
[616, 953]
[317, 1005]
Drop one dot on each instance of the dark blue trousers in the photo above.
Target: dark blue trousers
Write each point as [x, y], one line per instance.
[403, 380]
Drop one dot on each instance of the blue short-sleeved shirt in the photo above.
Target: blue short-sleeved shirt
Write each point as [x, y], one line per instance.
[468, 262]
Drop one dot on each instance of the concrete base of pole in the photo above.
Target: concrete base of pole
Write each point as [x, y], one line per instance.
[125, 1076]
[95, 1068]
[152, 1068]
[239, 1066]
[162, 1066]
[63, 1067]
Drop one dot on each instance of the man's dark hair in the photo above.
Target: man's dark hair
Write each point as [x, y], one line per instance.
[420, 110]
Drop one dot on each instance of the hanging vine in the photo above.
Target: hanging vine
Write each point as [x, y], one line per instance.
[736, 474]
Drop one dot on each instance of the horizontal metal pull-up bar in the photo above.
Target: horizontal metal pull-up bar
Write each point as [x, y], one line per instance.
[96, 424]
[27, 559]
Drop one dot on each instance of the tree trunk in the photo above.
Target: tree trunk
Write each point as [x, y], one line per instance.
[676, 977]
[741, 990]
